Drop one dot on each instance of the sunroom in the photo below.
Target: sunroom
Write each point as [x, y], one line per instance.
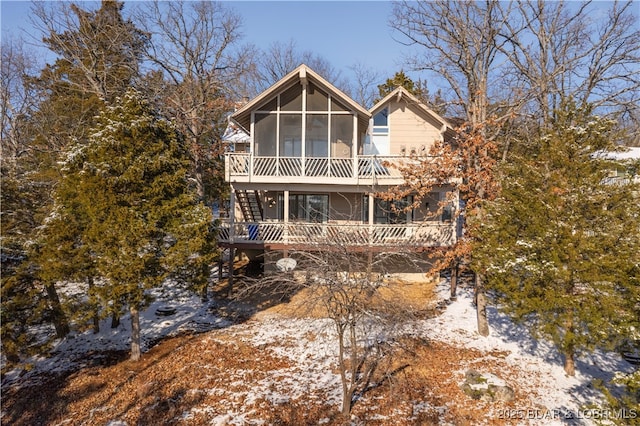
[304, 128]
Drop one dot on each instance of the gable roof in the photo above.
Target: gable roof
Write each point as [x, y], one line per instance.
[302, 74]
[400, 93]
[235, 134]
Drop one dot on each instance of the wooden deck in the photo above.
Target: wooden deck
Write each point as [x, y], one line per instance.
[280, 235]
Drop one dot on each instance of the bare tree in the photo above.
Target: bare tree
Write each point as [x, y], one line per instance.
[280, 58]
[353, 290]
[572, 50]
[16, 100]
[196, 59]
[364, 90]
[461, 42]
[547, 52]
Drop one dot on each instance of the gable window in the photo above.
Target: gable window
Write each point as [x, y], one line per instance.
[304, 121]
[381, 122]
[291, 99]
[317, 100]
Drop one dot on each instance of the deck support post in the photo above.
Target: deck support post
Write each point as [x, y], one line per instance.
[232, 255]
[285, 216]
[232, 233]
[370, 216]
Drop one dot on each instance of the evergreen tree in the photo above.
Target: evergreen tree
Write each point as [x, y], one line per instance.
[418, 89]
[399, 79]
[23, 194]
[24, 301]
[560, 246]
[98, 53]
[142, 220]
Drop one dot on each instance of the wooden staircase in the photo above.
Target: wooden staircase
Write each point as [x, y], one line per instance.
[250, 205]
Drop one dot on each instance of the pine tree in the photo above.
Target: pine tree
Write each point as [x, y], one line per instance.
[399, 79]
[142, 220]
[98, 53]
[560, 246]
[24, 302]
[419, 89]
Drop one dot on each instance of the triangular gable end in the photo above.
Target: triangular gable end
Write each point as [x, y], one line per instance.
[399, 93]
[303, 75]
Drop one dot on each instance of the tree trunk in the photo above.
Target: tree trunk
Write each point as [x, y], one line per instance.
[454, 281]
[569, 362]
[115, 320]
[481, 307]
[204, 294]
[232, 255]
[95, 318]
[59, 319]
[135, 333]
[220, 267]
[569, 351]
[346, 396]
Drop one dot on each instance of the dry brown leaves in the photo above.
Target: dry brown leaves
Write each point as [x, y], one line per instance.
[202, 378]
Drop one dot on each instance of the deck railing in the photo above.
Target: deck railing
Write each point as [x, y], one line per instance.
[425, 234]
[240, 164]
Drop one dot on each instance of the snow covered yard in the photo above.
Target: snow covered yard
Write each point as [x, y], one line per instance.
[281, 369]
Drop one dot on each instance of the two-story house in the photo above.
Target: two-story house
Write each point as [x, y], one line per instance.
[315, 162]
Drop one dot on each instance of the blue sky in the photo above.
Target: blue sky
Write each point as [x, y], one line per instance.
[343, 32]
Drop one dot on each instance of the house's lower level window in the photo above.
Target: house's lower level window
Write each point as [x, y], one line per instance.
[306, 207]
[389, 212]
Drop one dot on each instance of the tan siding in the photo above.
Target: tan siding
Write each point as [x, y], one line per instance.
[409, 128]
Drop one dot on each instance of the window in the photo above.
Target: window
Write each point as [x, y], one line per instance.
[291, 99]
[265, 135]
[290, 135]
[317, 134]
[381, 121]
[312, 208]
[328, 124]
[317, 100]
[271, 105]
[341, 136]
[388, 212]
[433, 205]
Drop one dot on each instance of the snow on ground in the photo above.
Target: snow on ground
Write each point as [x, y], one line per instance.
[70, 353]
[308, 345]
[560, 397]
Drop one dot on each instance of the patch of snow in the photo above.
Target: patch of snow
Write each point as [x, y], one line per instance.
[491, 379]
[628, 153]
